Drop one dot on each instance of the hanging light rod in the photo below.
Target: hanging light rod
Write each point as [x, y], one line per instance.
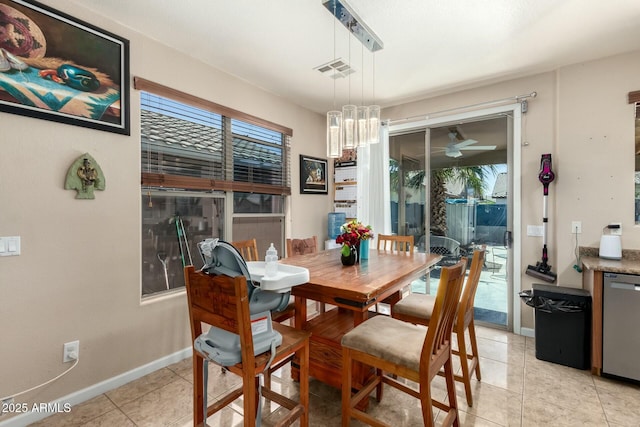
[345, 14]
[518, 98]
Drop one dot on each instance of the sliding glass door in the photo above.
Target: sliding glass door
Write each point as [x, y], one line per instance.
[453, 188]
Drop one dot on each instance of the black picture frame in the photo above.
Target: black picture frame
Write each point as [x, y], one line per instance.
[313, 175]
[62, 69]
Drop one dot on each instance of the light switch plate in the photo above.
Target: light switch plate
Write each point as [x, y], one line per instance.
[10, 246]
[534, 230]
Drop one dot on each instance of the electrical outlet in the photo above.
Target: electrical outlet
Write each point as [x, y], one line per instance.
[71, 351]
[616, 231]
[576, 227]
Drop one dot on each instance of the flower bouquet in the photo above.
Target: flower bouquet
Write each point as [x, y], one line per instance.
[352, 233]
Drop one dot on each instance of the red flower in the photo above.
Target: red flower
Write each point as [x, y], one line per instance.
[352, 232]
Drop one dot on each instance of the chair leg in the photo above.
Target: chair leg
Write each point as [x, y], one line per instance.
[267, 382]
[250, 386]
[474, 348]
[379, 387]
[426, 404]
[451, 391]
[347, 373]
[464, 361]
[198, 385]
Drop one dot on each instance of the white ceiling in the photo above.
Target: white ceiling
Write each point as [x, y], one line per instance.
[430, 46]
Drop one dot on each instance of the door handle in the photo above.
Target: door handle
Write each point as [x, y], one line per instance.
[625, 286]
[508, 239]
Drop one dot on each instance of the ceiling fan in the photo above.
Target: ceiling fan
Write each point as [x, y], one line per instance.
[459, 142]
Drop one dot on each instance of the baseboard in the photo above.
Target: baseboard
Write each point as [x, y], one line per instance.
[528, 332]
[98, 389]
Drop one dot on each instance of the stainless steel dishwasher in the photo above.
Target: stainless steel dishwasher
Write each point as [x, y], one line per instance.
[620, 320]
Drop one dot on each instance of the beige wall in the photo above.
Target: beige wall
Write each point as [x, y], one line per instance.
[595, 149]
[78, 277]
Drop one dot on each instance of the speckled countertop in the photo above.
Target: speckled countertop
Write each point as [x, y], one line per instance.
[629, 264]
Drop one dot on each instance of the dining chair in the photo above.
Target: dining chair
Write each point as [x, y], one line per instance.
[418, 309]
[396, 243]
[400, 349]
[222, 301]
[249, 251]
[304, 246]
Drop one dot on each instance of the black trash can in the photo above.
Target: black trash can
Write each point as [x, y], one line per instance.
[563, 324]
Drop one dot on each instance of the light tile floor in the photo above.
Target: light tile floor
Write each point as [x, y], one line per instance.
[516, 390]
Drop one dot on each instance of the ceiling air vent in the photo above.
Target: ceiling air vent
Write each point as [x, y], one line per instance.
[336, 69]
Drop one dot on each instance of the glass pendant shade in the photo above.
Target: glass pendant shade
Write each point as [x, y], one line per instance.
[374, 124]
[349, 117]
[334, 134]
[362, 126]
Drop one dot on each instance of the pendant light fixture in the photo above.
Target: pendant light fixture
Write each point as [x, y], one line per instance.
[362, 113]
[354, 126]
[374, 112]
[349, 117]
[334, 117]
[334, 134]
[363, 125]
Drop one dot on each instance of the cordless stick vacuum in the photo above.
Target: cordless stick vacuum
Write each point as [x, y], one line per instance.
[542, 269]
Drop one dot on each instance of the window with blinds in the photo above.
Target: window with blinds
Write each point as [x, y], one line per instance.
[195, 153]
[184, 146]
[178, 139]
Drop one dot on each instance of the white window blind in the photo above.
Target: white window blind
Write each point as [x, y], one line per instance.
[188, 145]
[180, 140]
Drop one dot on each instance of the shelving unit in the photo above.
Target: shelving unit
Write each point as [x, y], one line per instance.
[345, 185]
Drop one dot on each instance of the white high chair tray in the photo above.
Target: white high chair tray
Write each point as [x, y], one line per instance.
[287, 276]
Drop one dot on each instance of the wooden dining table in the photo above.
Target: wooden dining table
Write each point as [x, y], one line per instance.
[352, 291]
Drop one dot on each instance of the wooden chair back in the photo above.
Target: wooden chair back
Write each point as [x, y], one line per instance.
[438, 339]
[248, 249]
[396, 243]
[296, 247]
[465, 311]
[302, 246]
[218, 301]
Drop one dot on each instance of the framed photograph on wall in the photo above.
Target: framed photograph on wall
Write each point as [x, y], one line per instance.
[313, 175]
[56, 67]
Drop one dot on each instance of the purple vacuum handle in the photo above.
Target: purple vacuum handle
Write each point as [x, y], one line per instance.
[546, 175]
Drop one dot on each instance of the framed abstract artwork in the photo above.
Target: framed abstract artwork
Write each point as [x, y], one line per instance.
[56, 67]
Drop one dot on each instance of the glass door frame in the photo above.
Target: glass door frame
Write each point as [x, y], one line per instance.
[514, 215]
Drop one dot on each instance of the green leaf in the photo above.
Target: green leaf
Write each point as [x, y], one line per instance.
[346, 250]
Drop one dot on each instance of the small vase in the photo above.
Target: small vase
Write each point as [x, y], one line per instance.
[351, 258]
[363, 252]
